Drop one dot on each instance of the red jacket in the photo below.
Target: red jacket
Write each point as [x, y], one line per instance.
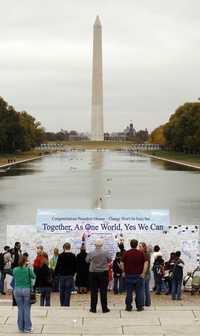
[37, 262]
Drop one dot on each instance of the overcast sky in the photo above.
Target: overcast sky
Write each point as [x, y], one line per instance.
[151, 59]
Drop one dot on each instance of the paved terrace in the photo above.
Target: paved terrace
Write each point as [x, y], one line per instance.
[164, 318]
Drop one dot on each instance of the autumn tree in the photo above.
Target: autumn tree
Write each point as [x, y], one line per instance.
[18, 130]
[158, 136]
[182, 132]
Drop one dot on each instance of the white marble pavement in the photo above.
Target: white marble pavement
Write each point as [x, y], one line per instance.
[157, 320]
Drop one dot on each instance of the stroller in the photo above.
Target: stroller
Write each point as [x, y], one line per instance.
[196, 281]
[187, 282]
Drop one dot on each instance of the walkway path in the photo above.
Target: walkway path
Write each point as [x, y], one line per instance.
[8, 165]
[167, 319]
[181, 163]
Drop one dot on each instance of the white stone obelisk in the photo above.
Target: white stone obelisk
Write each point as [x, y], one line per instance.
[97, 131]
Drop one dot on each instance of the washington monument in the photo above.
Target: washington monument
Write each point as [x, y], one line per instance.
[97, 131]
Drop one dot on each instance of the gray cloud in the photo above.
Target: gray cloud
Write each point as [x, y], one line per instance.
[151, 63]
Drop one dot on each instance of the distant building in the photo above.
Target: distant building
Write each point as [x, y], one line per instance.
[131, 132]
[118, 136]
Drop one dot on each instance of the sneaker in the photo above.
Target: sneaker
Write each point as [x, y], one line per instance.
[28, 331]
[140, 309]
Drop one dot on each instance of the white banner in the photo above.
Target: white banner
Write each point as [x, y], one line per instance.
[183, 238]
[102, 220]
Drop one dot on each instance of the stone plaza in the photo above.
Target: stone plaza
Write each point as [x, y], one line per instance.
[164, 318]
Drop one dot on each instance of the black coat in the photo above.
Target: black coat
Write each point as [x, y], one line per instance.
[16, 254]
[66, 264]
[43, 277]
[82, 276]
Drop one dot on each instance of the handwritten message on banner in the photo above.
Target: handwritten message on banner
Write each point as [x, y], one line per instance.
[101, 221]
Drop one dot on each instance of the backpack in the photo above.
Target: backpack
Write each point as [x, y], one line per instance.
[2, 262]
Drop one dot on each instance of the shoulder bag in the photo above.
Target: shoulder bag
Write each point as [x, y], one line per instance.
[32, 293]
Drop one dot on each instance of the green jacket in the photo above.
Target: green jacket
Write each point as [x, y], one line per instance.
[53, 262]
[23, 277]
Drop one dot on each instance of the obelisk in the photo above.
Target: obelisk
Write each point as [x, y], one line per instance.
[97, 131]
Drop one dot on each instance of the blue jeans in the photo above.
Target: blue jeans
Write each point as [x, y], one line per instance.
[123, 283]
[55, 285]
[147, 295]
[66, 285]
[45, 296]
[159, 283]
[176, 289]
[118, 285]
[22, 297]
[134, 281]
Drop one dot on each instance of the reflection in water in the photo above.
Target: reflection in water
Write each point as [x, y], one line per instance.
[19, 171]
[98, 200]
[2, 206]
[4, 209]
[22, 169]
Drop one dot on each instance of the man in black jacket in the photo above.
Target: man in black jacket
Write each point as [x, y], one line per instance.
[66, 269]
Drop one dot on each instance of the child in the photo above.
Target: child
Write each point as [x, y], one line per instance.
[117, 275]
[158, 269]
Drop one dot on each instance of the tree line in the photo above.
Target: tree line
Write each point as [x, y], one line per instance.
[182, 131]
[19, 131]
[62, 135]
[140, 136]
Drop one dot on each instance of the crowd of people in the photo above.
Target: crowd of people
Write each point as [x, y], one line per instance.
[94, 271]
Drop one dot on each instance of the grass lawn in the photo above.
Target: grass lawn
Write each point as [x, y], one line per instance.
[186, 158]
